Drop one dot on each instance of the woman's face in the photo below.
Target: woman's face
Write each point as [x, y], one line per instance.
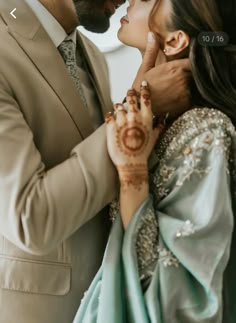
[134, 26]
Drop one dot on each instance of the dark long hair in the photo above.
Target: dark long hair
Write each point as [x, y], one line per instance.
[213, 68]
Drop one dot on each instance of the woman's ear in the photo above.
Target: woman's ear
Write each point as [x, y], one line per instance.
[175, 43]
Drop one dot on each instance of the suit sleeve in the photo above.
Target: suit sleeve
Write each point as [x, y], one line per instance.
[39, 208]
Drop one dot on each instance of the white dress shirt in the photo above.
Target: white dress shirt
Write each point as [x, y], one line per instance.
[50, 24]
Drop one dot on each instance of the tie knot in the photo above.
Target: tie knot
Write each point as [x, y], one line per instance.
[67, 50]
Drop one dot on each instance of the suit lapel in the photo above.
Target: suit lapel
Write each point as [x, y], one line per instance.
[37, 45]
[98, 83]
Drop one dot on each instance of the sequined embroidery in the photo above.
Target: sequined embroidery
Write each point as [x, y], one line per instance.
[167, 258]
[114, 209]
[186, 230]
[196, 131]
[146, 243]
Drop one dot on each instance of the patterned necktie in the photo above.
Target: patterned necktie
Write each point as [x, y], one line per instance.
[67, 50]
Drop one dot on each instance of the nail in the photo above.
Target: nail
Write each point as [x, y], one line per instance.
[144, 83]
[108, 116]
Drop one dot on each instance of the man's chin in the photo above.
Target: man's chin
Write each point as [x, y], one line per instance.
[96, 30]
[95, 25]
[93, 15]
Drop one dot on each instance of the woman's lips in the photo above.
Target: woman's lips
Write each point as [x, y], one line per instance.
[124, 20]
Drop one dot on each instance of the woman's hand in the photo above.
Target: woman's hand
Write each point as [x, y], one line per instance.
[130, 140]
[131, 137]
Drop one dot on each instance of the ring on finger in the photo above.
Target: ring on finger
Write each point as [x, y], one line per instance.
[119, 107]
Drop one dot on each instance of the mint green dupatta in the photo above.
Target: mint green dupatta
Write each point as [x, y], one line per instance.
[117, 282]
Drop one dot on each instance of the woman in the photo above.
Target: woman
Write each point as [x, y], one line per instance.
[171, 253]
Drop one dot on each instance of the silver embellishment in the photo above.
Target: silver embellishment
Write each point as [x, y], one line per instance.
[147, 241]
[114, 209]
[166, 172]
[186, 230]
[196, 131]
[167, 258]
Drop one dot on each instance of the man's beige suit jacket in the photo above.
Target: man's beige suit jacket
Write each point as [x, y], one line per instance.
[55, 175]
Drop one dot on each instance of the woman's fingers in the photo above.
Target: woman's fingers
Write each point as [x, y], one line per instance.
[132, 105]
[110, 126]
[120, 114]
[109, 117]
[134, 110]
[145, 101]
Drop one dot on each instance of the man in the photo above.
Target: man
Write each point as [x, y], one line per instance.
[55, 173]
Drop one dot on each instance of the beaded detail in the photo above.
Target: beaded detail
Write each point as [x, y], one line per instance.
[196, 131]
[186, 230]
[166, 258]
[114, 209]
[190, 125]
[146, 243]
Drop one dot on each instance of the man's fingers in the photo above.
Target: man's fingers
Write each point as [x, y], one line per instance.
[181, 63]
[151, 52]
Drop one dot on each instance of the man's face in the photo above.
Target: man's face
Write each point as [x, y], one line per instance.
[94, 15]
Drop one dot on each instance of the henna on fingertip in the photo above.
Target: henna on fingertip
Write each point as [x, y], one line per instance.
[132, 101]
[145, 96]
[108, 116]
[131, 92]
[146, 99]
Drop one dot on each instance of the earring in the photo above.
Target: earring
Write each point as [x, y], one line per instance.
[165, 50]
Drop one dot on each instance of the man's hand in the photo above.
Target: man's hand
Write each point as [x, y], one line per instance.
[168, 81]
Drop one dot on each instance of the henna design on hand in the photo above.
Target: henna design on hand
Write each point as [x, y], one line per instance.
[132, 139]
[147, 99]
[131, 92]
[133, 175]
[132, 101]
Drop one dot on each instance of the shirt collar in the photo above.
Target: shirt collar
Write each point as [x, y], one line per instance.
[50, 24]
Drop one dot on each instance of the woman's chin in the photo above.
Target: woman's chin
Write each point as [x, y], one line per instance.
[120, 35]
[126, 40]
